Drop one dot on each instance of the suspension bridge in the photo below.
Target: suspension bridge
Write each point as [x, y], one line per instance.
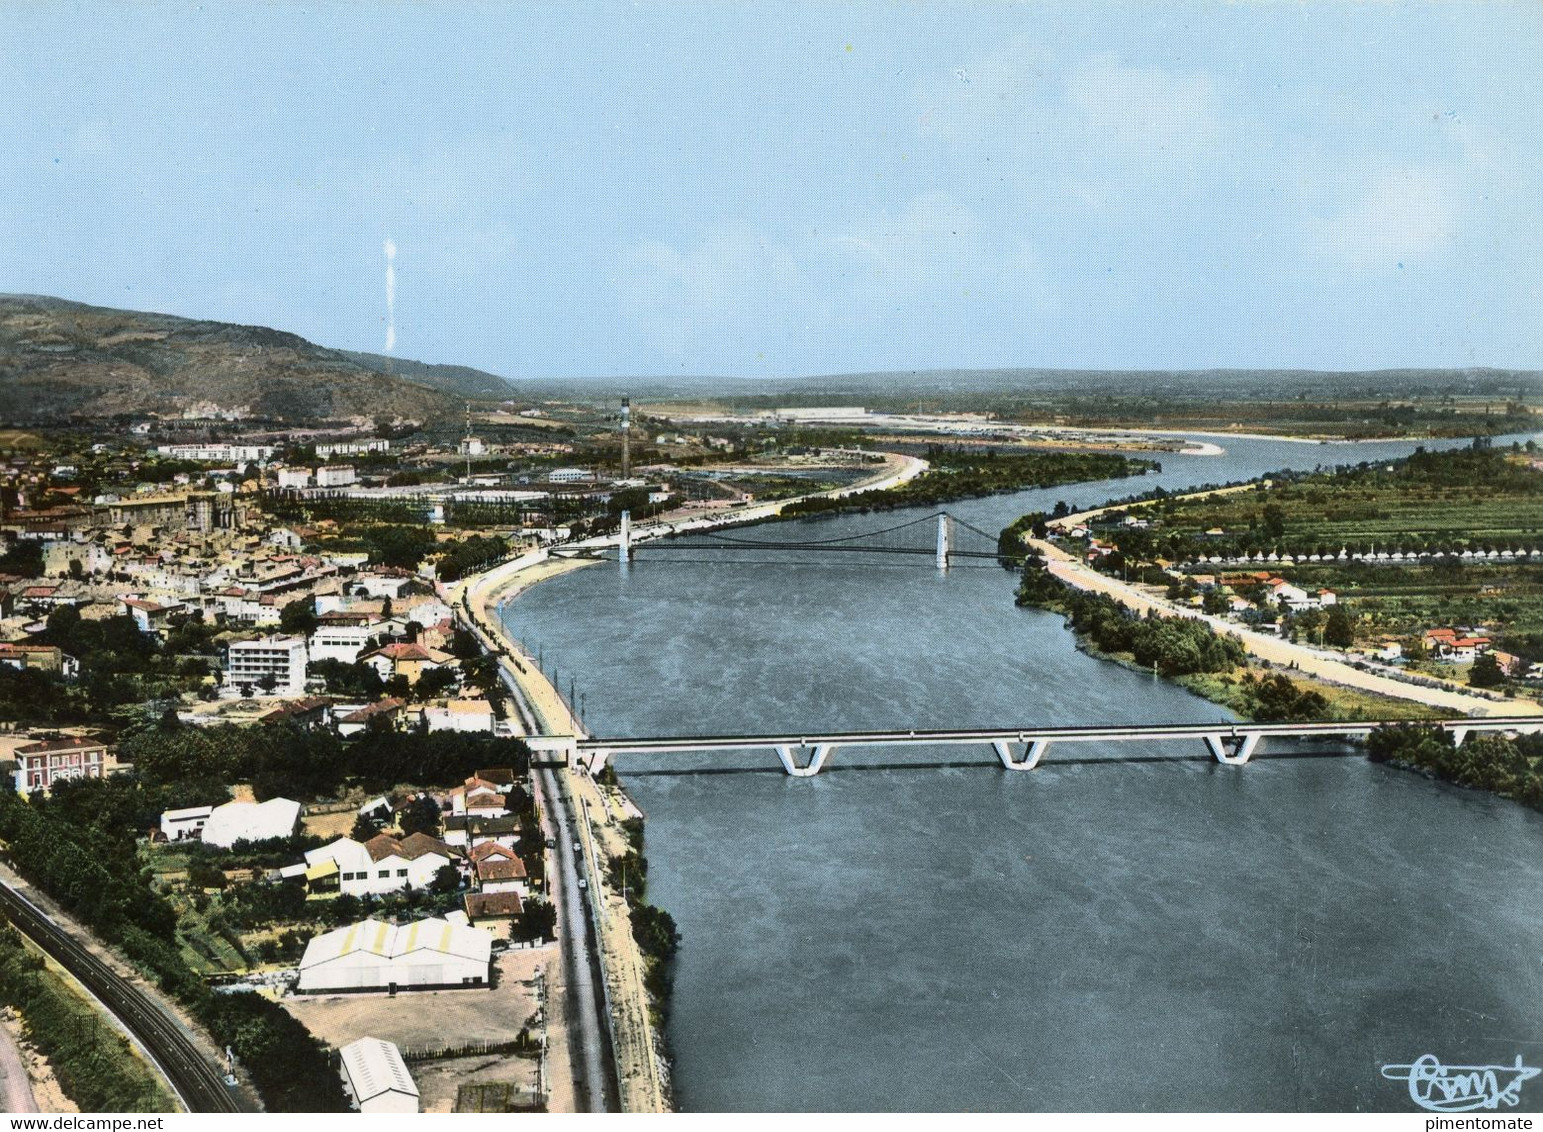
[941, 536]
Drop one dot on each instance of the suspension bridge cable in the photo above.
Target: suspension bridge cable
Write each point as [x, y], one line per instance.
[825, 541]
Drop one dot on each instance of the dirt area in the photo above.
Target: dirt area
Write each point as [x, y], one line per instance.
[440, 1082]
[340, 824]
[434, 1019]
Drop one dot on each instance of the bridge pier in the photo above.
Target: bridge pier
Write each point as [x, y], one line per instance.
[1458, 735]
[1033, 752]
[597, 762]
[1233, 749]
[624, 547]
[809, 769]
[943, 541]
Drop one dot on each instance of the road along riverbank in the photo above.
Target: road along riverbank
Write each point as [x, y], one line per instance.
[1288, 654]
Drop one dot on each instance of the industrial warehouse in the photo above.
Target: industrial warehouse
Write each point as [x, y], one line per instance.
[374, 956]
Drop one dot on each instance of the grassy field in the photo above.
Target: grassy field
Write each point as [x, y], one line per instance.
[1451, 500]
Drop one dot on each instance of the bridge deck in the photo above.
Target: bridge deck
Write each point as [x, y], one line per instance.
[1073, 734]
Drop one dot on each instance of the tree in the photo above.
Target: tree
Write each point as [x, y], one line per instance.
[299, 617]
[1339, 631]
[447, 879]
[365, 827]
[1274, 520]
[1486, 672]
[421, 815]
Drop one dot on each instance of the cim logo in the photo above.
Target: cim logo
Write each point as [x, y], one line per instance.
[1461, 1088]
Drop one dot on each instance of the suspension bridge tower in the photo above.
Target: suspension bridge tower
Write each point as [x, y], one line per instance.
[624, 544]
[944, 535]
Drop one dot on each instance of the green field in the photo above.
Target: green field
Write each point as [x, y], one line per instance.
[1440, 504]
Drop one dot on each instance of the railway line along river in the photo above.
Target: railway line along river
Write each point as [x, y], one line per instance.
[1115, 930]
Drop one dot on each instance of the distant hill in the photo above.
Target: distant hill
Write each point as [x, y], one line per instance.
[60, 359]
[1213, 384]
[462, 381]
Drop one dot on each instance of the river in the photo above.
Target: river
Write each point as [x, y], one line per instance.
[1124, 928]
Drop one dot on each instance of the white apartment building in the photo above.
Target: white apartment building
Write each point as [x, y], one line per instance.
[352, 448]
[340, 642]
[294, 478]
[336, 475]
[282, 658]
[219, 453]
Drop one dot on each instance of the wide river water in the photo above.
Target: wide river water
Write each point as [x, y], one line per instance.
[1124, 928]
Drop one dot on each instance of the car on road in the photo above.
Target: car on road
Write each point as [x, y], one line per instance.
[583, 882]
[577, 848]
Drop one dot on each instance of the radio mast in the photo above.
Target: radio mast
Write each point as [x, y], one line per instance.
[626, 437]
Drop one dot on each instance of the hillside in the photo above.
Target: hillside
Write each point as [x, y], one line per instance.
[460, 381]
[60, 359]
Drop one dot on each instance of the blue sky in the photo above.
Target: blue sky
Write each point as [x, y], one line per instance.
[603, 189]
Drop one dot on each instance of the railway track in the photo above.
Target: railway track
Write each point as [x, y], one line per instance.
[196, 1083]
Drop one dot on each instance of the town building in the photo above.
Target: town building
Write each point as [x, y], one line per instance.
[40, 765]
[403, 658]
[186, 824]
[44, 658]
[336, 475]
[345, 643]
[381, 864]
[471, 716]
[251, 821]
[270, 665]
[219, 453]
[372, 955]
[376, 1078]
[150, 617]
[492, 907]
[498, 868]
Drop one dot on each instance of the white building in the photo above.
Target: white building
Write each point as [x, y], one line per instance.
[219, 453]
[383, 863]
[294, 478]
[283, 659]
[569, 475]
[473, 716]
[251, 821]
[339, 642]
[335, 475]
[183, 825]
[380, 585]
[352, 448]
[372, 955]
[376, 1077]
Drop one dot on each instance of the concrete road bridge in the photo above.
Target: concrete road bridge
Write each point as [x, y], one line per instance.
[1017, 748]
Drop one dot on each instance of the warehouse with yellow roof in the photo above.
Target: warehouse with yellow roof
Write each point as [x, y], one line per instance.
[372, 955]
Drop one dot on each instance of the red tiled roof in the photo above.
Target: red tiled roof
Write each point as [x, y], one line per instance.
[487, 905]
[499, 868]
[48, 746]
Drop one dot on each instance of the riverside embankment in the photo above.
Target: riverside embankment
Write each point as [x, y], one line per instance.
[640, 1068]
